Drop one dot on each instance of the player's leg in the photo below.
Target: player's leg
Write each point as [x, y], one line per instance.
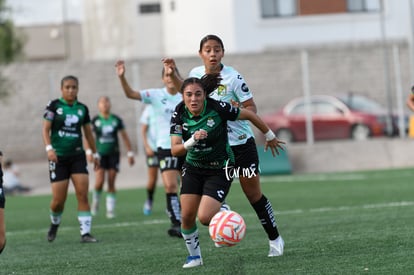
[170, 168]
[250, 183]
[111, 194]
[97, 191]
[2, 230]
[57, 205]
[152, 173]
[80, 180]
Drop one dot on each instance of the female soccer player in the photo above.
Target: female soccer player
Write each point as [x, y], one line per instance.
[2, 202]
[209, 161]
[163, 101]
[149, 137]
[106, 127]
[64, 120]
[234, 89]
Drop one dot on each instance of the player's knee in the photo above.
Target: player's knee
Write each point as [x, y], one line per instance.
[204, 219]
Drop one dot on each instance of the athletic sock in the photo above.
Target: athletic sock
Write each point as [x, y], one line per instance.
[85, 222]
[264, 211]
[110, 202]
[55, 217]
[191, 241]
[173, 208]
[150, 194]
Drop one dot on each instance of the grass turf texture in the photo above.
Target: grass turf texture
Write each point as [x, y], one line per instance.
[341, 223]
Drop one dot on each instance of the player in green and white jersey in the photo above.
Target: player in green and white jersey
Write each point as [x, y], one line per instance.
[233, 89]
[64, 121]
[107, 126]
[149, 137]
[163, 101]
[208, 170]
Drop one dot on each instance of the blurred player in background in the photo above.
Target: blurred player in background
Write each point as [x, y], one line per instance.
[149, 137]
[106, 127]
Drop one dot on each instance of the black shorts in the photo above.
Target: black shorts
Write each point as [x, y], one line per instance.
[152, 161]
[209, 182]
[246, 157]
[167, 161]
[67, 166]
[110, 161]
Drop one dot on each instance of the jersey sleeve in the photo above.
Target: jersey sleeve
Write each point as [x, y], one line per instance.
[226, 110]
[241, 89]
[50, 111]
[87, 118]
[176, 123]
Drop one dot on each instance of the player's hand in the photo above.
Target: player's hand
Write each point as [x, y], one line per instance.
[274, 145]
[51, 155]
[120, 67]
[200, 134]
[169, 66]
[131, 161]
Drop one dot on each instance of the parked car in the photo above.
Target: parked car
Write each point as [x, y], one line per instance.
[333, 117]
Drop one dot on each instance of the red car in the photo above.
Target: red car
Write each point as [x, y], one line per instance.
[333, 117]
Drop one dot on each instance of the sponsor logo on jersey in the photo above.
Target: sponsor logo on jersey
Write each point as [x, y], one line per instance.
[245, 88]
[59, 111]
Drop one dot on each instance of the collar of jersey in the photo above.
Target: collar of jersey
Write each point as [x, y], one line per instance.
[64, 101]
[202, 112]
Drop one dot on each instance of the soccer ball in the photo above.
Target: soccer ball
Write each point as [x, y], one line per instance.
[227, 228]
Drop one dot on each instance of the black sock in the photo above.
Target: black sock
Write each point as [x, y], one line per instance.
[150, 194]
[265, 213]
[173, 208]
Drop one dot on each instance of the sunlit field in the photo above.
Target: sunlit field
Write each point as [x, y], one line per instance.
[339, 223]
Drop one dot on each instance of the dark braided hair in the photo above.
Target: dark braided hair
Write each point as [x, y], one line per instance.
[209, 82]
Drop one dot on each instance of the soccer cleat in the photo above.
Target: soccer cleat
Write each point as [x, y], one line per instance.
[110, 215]
[51, 234]
[147, 209]
[94, 207]
[88, 238]
[175, 231]
[225, 207]
[193, 261]
[218, 245]
[276, 247]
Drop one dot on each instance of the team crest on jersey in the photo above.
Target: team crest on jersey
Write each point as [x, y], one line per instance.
[222, 90]
[210, 122]
[80, 112]
[98, 123]
[59, 111]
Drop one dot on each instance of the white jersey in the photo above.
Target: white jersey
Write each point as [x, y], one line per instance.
[163, 104]
[148, 118]
[232, 87]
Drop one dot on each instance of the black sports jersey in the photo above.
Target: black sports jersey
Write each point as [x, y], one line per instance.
[67, 121]
[214, 152]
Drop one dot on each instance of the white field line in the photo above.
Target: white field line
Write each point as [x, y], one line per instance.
[285, 212]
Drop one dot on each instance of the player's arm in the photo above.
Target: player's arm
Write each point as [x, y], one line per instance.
[128, 91]
[47, 126]
[250, 105]
[88, 150]
[127, 142]
[271, 140]
[172, 71]
[87, 131]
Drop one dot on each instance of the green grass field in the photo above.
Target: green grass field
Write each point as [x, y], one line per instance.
[342, 223]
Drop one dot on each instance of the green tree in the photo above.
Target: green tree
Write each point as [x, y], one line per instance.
[11, 45]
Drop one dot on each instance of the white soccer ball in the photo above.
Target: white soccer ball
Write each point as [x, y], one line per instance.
[227, 228]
